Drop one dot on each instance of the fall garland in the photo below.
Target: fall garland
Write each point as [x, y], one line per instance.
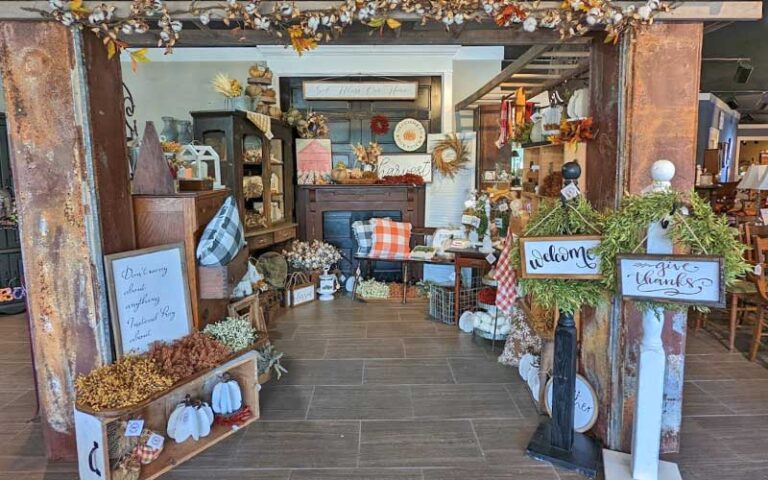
[453, 143]
[305, 28]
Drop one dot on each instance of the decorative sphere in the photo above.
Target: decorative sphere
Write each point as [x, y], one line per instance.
[662, 171]
[571, 171]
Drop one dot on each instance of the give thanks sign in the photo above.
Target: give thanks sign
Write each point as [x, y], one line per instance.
[560, 257]
[672, 279]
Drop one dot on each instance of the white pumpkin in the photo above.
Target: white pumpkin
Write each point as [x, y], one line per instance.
[190, 419]
[227, 398]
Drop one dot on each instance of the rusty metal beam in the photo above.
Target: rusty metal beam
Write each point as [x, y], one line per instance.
[60, 156]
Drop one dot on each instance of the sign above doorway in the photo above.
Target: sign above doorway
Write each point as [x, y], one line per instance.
[342, 90]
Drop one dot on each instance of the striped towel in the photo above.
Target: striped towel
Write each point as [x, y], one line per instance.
[262, 122]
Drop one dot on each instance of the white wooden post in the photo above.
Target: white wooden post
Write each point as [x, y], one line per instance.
[646, 435]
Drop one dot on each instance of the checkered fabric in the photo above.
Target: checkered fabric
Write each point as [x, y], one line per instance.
[390, 239]
[363, 232]
[506, 293]
[223, 237]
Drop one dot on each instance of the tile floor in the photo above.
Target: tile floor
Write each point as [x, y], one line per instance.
[376, 392]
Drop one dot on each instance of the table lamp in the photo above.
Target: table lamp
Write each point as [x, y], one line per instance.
[755, 179]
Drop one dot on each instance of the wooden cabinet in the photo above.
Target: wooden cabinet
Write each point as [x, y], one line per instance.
[541, 161]
[258, 170]
[181, 218]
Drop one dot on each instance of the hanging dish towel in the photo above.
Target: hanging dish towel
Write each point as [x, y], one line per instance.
[506, 292]
[262, 122]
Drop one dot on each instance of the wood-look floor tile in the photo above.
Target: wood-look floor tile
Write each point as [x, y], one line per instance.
[358, 474]
[407, 372]
[696, 402]
[416, 328]
[218, 457]
[746, 435]
[365, 402]
[366, 348]
[736, 470]
[279, 330]
[323, 372]
[740, 396]
[504, 441]
[302, 349]
[330, 330]
[471, 370]
[463, 401]
[284, 402]
[418, 443]
[458, 346]
[535, 472]
[305, 444]
[227, 474]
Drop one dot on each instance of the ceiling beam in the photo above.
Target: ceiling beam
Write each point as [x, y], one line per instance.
[566, 54]
[516, 85]
[553, 66]
[531, 76]
[582, 69]
[504, 75]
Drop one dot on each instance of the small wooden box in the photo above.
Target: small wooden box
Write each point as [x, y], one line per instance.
[195, 184]
[217, 282]
[300, 294]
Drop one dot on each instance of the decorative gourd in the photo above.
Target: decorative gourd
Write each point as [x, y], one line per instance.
[190, 419]
[227, 397]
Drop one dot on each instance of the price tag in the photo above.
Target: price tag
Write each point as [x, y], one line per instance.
[759, 269]
[498, 222]
[155, 441]
[470, 220]
[570, 191]
[503, 207]
[134, 428]
[490, 258]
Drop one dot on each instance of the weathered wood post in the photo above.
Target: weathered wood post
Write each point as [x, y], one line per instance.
[70, 172]
[646, 432]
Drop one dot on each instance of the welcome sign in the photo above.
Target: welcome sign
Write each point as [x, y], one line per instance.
[672, 279]
[560, 257]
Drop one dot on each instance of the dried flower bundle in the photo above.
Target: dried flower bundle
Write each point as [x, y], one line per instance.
[229, 87]
[269, 358]
[188, 355]
[368, 155]
[121, 384]
[236, 333]
[313, 255]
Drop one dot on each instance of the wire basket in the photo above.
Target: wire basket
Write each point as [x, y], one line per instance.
[441, 301]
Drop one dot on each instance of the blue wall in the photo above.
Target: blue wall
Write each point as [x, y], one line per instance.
[709, 117]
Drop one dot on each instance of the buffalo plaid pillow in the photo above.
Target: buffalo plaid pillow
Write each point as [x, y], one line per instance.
[363, 231]
[223, 237]
[390, 239]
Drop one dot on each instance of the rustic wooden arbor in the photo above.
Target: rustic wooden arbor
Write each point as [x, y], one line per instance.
[68, 151]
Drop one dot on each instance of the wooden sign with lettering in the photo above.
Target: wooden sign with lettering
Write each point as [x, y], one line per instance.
[319, 90]
[148, 297]
[672, 279]
[400, 164]
[560, 257]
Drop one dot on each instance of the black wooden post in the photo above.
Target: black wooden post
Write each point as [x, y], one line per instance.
[554, 440]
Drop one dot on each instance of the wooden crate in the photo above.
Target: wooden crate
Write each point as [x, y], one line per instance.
[92, 427]
[218, 281]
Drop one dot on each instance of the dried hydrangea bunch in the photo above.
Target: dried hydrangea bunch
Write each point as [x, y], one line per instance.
[314, 255]
[188, 355]
[126, 382]
[236, 333]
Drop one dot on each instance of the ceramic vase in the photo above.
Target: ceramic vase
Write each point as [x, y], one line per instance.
[184, 132]
[169, 132]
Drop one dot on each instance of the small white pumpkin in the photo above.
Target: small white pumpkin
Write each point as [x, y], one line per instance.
[227, 397]
[189, 419]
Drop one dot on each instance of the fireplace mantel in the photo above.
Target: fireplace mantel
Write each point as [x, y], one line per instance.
[314, 200]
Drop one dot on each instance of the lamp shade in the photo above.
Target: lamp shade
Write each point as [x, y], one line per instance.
[754, 177]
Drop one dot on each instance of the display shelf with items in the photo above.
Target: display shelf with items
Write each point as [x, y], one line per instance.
[259, 170]
[541, 176]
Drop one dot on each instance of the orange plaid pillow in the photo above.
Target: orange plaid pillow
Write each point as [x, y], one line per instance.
[390, 239]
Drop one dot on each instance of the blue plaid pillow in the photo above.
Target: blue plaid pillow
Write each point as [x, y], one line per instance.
[363, 231]
[223, 237]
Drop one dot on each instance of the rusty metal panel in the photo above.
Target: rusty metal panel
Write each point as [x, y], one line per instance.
[52, 155]
[661, 121]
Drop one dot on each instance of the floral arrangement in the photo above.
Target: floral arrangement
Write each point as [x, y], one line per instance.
[367, 155]
[313, 125]
[379, 125]
[574, 131]
[305, 28]
[236, 333]
[372, 289]
[126, 382]
[314, 255]
[487, 296]
[269, 359]
[227, 86]
[188, 355]
[405, 179]
[522, 133]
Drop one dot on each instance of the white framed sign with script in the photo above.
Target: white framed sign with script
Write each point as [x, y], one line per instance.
[672, 279]
[314, 90]
[148, 297]
[400, 164]
[560, 257]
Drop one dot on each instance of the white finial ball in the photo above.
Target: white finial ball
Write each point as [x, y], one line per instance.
[662, 171]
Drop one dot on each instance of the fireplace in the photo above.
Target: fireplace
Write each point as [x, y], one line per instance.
[326, 212]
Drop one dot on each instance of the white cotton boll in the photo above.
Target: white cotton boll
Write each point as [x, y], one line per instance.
[448, 20]
[205, 19]
[326, 20]
[630, 9]
[362, 15]
[286, 10]
[251, 8]
[488, 8]
[576, 4]
[458, 18]
[313, 23]
[176, 26]
[56, 3]
[345, 17]
[126, 29]
[530, 24]
[67, 19]
[644, 12]
[617, 17]
[591, 20]
[165, 36]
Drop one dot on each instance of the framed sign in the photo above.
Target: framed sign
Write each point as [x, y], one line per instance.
[360, 90]
[409, 134]
[672, 279]
[401, 164]
[148, 297]
[560, 257]
[584, 404]
[313, 159]
[302, 294]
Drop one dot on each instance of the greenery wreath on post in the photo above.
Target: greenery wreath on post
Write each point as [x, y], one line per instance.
[450, 155]
[693, 226]
[554, 218]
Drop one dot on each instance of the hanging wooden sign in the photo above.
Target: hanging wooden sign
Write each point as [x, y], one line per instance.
[672, 279]
[360, 90]
[400, 164]
[560, 257]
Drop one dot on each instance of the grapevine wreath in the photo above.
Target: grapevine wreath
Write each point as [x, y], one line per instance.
[692, 224]
[450, 155]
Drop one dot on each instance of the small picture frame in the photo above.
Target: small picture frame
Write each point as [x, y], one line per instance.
[489, 175]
